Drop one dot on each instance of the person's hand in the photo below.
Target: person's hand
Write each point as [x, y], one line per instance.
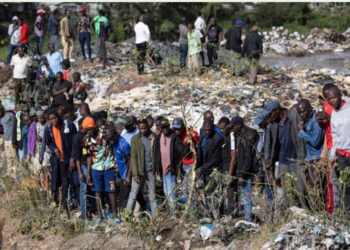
[240, 181]
[67, 39]
[71, 164]
[41, 160]
[138, 179]
[321, 117]
[81, 176]
[127, 181]
[88, 179]
[301, 125]
[199, 171]
[58, 154]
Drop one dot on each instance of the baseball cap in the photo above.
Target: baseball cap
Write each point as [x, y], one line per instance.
[259, 117]
[14, 18]
[178, 123]
[238, 22]
[271, 105]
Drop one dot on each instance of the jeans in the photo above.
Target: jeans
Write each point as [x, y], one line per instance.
[85, 38]
[64, 174]
[141, 56]
[187, 179]
[183, 55]
[150, 181]
[39, 44]
[54, 40]
[83, 192]
[12, 49]
[212, 52]
[246, 192]
[169, 186]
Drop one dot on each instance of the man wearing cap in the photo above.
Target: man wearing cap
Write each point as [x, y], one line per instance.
[84, 26]
[130, 128]
[169, 151]
[253, 49]
[247, 165]
[7, 120]
[234, 44]
[209, 153]
[189, 137]
[67, 35]
[13, 32]
[79, 154]
[52, 28]
[39, 31]
[19, 64]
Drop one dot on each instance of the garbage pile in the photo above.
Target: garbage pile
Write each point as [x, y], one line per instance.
[309, 232]
[281, 41]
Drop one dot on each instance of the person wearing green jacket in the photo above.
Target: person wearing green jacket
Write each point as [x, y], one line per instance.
[142, 163]
[194, 47]
[102, 27]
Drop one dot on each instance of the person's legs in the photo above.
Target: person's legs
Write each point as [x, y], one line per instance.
[88, 43]
[232, 198]
[210, 53]
[183, 55]
[169, 184]
[82, 43]
[98, 187]
[11, 160]
[110, 186]
[103, 50]
[187, 179]
[55, 41]
[82, 193]
[151, 184]
[135, 187]
[298, 172]
[65, 182]
[215, 52]
[246, 191]
[123, 195]
[254, 66]
[236, 62]
[344, 174]
[70, 48]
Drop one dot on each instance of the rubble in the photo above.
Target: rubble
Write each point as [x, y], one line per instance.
[280, 40]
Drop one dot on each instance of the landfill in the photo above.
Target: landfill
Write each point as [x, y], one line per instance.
[280, 40]
[305, 231]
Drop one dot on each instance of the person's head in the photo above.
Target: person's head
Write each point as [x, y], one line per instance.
[25, 119]
[334, 97]
[68, 113]
[255, 28]
[208, 115]
[141, 18]
[87, 125]
[112, 135]
[101, 12]
[184, 21]
[2, 110]
[238, 23]
[304, 109]
[53, 9]
[67, 13]
[261, 119]
[40, 116]
[82, 11]
[76, 77]
[65, 64]
[212, 21]
[84, 109]
[178, 125]
[21, 50]
[15, 20]
[51, 48]
[150, 120]
[143, 127]
[237, 124]
[252, 136]
[209, 128]
[199, 14]
[41, 12]
[224, 125]
[53, 117]
[20, 21]
[59, 77]
[157, 121]
[190, 26]
[130, 124]
[272, 109]
[165, 127]
[326, 88]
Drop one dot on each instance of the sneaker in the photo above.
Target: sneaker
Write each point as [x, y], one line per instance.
[115, 221]
[77, 214]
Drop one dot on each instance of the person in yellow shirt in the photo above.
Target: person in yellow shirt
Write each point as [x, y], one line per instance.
[66, 36]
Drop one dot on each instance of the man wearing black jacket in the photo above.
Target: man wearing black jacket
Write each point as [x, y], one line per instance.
[252, 49]
[234, 43]
[209, 155]
[246, 162]
[168, 154]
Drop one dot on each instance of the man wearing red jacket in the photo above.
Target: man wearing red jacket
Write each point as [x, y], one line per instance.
[24, 33]
[187, 136]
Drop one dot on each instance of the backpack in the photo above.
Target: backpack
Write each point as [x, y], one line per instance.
[104, 30]
[213, 34]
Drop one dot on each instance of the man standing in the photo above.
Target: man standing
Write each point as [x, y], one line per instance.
[253, 49]
[234, 43]
[60, 91]
[39, 31]
[52, 28]
[84, 25]
[142, 162]
[102, 29]
[54, 59]
[130, 128]
[340, 127]
[200, 26]
[19, 64]
[310, 131]
[67, 36]
[143, 36]
[183, 42]
[194, 48]
[210, 152]
[214, 35]
[168, 154]
[13, 32]
[24, 34]
[7, 120]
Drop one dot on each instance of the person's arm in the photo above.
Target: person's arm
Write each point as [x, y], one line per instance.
[133, 157]
[233, 162]
[88, 165]
[314, 137]
[244, 49]
[10, 30]
[58, 92]
[147, 33]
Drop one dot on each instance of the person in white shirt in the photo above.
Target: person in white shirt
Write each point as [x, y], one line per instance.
[142, 37]
[200, 25]
[19, 64]
[13, 32]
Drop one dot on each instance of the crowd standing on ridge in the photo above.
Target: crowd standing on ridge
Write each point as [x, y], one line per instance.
[79, 154]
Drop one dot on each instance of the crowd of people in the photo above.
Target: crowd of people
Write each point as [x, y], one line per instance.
[79, 154]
